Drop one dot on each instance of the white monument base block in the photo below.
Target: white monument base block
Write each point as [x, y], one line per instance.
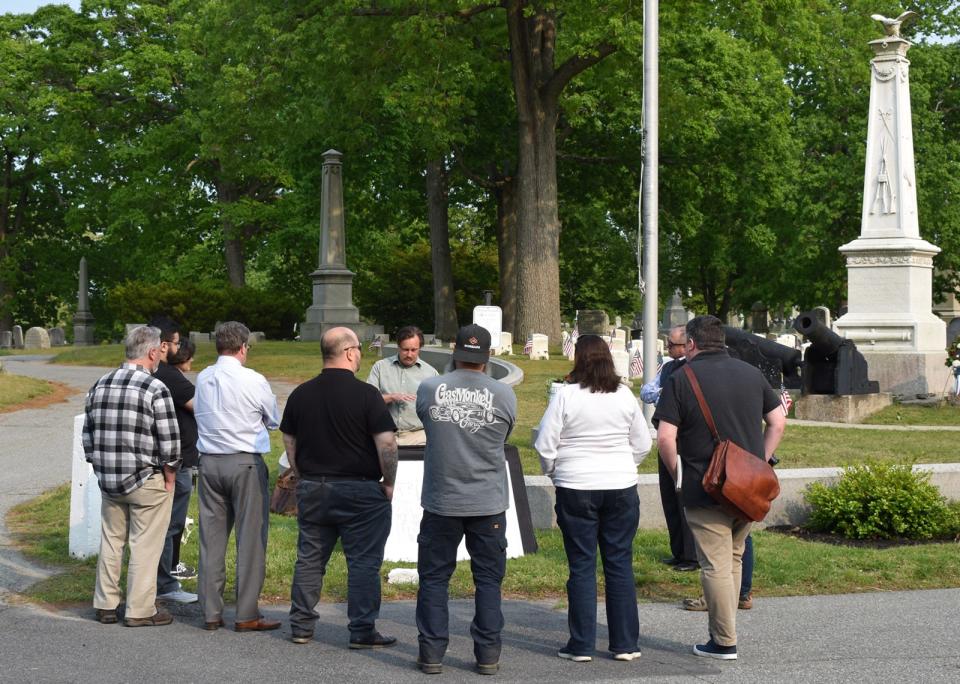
[84, 540]
[909, 373]
[843, 408]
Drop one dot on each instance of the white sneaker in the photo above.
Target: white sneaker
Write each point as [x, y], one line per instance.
[178, 596]
[626, 656]
[566, 655]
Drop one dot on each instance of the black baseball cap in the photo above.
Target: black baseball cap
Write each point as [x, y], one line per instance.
[473, 344]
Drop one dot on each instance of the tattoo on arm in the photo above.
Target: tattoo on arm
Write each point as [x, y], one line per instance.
[387, 451]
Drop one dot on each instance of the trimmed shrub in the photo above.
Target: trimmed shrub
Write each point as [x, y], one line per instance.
[198, 306]
[881, 500]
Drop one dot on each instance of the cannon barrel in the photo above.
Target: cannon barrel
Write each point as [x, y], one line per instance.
[779, 363]
[820, 336]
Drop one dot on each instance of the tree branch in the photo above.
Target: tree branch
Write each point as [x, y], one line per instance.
[464, 14]
[573, 66]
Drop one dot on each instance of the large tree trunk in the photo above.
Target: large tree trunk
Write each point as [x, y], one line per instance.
[537, 85]
[507, 251]
[444, 303]
[232, 236]
[538, 225]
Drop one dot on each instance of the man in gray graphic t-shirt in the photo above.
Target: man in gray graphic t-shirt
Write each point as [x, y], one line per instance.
[467, 417]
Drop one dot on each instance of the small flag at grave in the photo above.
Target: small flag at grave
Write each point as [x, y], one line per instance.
[377, 343]
[570, 342]
[636, 364]
[528, 345]
[786, 401]
[659, 362]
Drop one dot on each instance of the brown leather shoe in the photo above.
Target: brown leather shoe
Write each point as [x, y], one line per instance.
[106, 616]
[161, 617]
[261, 624]
[745, 603]
[213, 625]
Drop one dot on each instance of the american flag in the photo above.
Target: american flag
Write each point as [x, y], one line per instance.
[636, 364]
[786, 401]
[659, 362]
[570, 342]
[528, 345]
[377, 343]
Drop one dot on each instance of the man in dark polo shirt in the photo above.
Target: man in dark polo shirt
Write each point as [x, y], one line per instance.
[740, 400]
[182, 390]
[341, 440]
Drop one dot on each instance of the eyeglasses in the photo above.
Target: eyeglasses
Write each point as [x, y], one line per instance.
[676, 344]
[358, 347]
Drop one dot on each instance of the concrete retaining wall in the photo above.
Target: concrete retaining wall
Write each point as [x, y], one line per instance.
[788, 509]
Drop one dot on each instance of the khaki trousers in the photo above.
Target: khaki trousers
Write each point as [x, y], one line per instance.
[719, 538]
[138, 519]
[412, 438]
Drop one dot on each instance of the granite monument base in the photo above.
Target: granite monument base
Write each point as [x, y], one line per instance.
[312, 332]
[842, 408]
[908, 374]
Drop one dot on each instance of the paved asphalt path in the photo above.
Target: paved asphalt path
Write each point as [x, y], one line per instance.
[882, 637]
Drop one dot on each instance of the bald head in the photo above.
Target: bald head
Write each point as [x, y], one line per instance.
[338, 346]
[676, 341]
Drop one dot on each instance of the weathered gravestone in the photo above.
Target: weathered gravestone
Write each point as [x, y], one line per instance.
[17, 335]
[6, 339]
[953, 330]
[759, 321]
[57, 338]
[593, 322]
[36, 338]
[199, 337]
[256, 337]
[129, 327]
[621, 362]
[618, 340]
[539, 350]
[674, 314]
[823, 315]
[506, 345]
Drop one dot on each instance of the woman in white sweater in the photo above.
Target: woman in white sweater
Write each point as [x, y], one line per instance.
[590, 440]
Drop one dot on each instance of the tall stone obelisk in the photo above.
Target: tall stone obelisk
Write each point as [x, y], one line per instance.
[83, 319]
[890, 267]
[333, 281]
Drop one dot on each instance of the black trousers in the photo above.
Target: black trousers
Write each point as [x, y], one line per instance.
[681, 538]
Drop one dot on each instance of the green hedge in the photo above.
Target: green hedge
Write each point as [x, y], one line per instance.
[199, 307]
[881, 500]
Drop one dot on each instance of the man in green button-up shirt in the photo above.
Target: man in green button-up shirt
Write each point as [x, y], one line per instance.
[398, 378]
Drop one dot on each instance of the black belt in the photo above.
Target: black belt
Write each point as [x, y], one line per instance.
[337, 478]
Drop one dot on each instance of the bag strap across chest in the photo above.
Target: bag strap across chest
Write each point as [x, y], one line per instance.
[707, 415]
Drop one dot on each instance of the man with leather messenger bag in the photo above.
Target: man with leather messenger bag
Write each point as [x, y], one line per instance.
[739, 400]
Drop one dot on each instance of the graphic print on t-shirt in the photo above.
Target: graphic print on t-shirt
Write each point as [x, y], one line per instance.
[471, 409]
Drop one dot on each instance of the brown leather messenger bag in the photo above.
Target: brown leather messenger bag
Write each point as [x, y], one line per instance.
[744, 484]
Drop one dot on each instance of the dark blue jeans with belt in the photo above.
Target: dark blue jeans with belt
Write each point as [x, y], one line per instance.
[437, 544]
[608, 519]
[359, 514]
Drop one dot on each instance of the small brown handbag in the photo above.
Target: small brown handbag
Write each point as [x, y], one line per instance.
[742, 483]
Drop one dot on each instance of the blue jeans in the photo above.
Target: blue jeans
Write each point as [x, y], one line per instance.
[606, 518]
[359, 514]
[746, 575]
[183, 487]
[437, 559]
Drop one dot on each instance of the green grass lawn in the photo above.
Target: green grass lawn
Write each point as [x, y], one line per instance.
[802, 447]
[16, 389]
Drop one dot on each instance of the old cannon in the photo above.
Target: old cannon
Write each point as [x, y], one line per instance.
[779, 363]
[831, 364]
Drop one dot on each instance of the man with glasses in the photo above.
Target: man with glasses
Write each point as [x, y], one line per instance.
[181, 389]
[683, 556]
[398, 378]
[340, 439]
[135, 468]
[234, 408]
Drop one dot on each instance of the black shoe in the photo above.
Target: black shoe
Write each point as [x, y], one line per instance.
[375, 640]
[712, 649]
[686, 566]
[670, 561]
[488, 668]
[429, 668]
[106, 616]
[301, 638]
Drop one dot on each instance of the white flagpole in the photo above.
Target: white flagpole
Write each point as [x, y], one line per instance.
[650, 188]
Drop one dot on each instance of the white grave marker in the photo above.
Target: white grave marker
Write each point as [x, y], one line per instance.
[491, 318]
[84, 539]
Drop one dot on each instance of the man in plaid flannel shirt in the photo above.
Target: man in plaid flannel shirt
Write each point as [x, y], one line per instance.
[130, 435]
